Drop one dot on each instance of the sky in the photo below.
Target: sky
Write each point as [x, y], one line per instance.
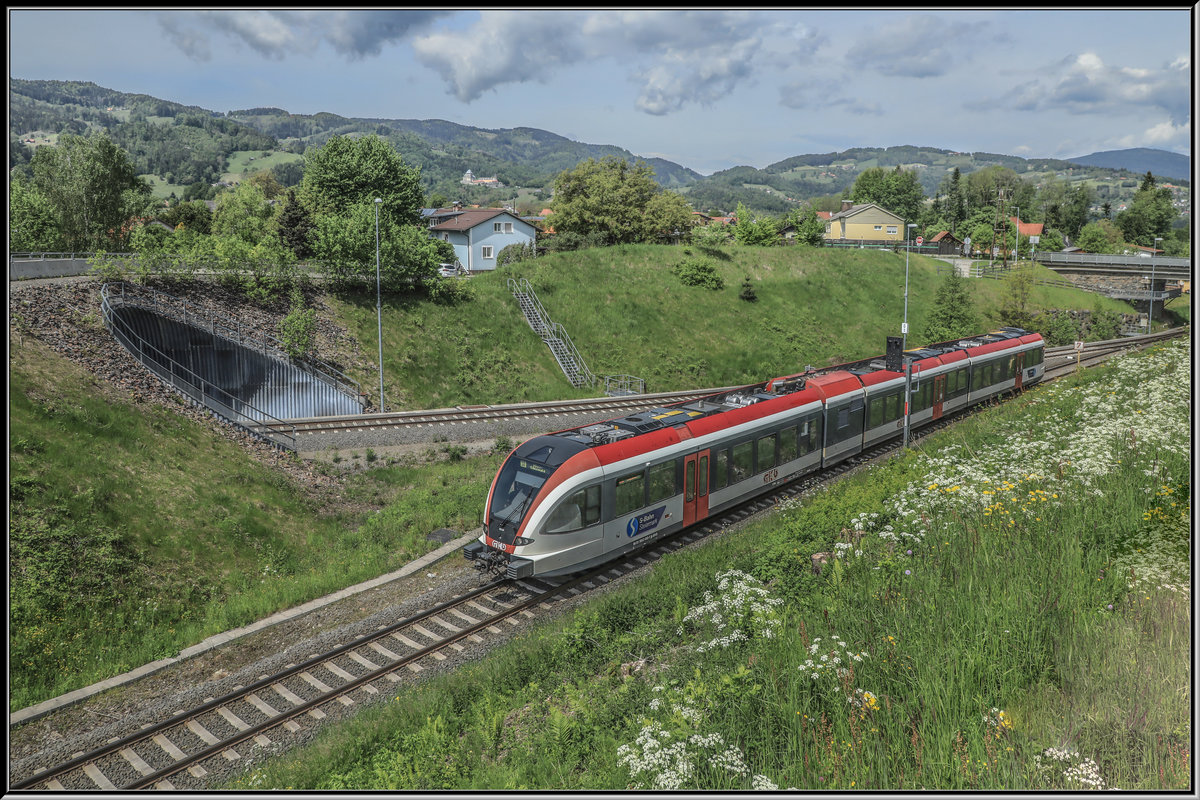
[708, 89]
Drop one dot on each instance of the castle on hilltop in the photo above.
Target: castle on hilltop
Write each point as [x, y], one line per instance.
[469, 179]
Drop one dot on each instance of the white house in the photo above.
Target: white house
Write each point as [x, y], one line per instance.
[479, 234]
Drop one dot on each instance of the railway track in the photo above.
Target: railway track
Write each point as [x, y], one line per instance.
[181, 751]
[617, 406]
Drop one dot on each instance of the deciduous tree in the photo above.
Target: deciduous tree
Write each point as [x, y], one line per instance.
[348, 171]
[615, 202]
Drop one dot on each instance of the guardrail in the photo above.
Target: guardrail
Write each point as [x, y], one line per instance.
[1092, 259]
[192, 385]
[231, 328]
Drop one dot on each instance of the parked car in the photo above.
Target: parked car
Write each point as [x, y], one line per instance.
[450, 270]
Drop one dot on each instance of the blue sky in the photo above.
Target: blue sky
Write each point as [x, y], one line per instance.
[709, 89]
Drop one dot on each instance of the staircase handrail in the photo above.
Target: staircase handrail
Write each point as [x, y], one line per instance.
[560, 333]
[522, 286]
[231, 328]
[129, 337]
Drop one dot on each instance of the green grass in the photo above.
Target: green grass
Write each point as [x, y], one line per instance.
[629, 315]
[243, 163]
[990, 628]
[135, 532]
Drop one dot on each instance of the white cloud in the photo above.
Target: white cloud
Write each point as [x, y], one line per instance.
[676, 58]
[1084, 84]
[921, 46]
[279, 34]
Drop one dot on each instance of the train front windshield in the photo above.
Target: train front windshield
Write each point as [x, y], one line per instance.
[519, 481]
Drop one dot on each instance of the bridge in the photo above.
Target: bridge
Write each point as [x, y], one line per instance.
[1120, 265]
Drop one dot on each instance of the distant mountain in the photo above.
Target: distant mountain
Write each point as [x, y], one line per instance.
[1141, 160]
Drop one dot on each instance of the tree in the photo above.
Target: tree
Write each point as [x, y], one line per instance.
[194, 215]
[810, 229]
[953, 315]
[32, 223]
[348, 171]
[408, 256]
[1014, 303]
[1150, 214]
[617, 203]
[243, 213]
[1100, 237]
[896, 190]
[953, 207]
[753, 230]
[294, 226]
[93, 188]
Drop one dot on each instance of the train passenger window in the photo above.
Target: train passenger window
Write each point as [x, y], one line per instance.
[875, 412]
[721, 470]
[703, 475]
[894, 408]
[662, 482]
[1010, 368]
[963, 383]
[766, 453]
[787, 445]
[743, 461]
[1034, 357]
[631, 493]
[578, 510]
[810, 435]
[921, 397]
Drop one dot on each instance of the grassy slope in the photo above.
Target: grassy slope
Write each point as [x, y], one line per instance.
[184, 534]
[628, 314]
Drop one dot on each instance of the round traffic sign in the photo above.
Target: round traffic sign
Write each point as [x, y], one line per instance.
[920, 240]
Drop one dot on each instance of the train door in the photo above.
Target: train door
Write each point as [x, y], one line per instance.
[695, 487]
[1020, 367]
[939, 395]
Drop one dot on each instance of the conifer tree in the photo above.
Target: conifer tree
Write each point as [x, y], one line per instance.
[953, 315]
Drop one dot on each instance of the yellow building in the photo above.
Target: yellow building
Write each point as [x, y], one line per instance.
[864, 222]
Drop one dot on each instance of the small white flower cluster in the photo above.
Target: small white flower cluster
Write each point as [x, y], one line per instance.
[829, 663]
[1076, 771]
[1131, 417]
[742, 611]
[664, 763]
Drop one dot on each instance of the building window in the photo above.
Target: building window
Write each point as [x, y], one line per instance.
[487, 251]
[878, 227]
[891, 229]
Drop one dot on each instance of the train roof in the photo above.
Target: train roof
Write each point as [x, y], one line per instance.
[666, 424]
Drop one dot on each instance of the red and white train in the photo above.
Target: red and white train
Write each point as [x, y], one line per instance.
[567, 501]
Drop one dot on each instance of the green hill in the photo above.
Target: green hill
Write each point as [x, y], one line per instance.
[629, 315]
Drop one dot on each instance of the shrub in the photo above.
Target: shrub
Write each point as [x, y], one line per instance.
[698, 272]
[298, 330]
[747, 292]
[515, 254]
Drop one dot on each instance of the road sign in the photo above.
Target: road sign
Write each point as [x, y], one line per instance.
[920, 240]
[1079, 345]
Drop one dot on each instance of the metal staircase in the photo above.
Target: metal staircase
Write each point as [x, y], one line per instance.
[561, 346]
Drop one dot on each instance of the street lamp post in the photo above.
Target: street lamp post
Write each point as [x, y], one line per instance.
[378, 303]
[1017, 238]
[1150, 317]
[904, 328]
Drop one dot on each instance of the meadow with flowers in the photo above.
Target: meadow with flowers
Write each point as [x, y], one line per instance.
[1004, 607]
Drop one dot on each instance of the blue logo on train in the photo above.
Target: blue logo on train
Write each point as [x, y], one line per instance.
[644, 522]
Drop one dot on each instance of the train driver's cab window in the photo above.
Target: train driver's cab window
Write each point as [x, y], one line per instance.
[578, 510]
[631, 493]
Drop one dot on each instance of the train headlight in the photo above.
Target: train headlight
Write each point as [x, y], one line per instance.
[521, 540]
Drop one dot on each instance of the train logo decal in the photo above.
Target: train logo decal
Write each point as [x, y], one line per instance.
[644, 522]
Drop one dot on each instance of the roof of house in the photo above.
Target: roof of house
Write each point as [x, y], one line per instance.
[859, 208]
[469, 219]
[1027, 228]
[824, 214]
[945, 235]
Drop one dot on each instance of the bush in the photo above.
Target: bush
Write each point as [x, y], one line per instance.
[698, 272]
[747, 292]
[515, 254]
[298, 330]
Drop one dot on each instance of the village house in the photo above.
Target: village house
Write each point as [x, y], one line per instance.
[478, 234]
[864, 222]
